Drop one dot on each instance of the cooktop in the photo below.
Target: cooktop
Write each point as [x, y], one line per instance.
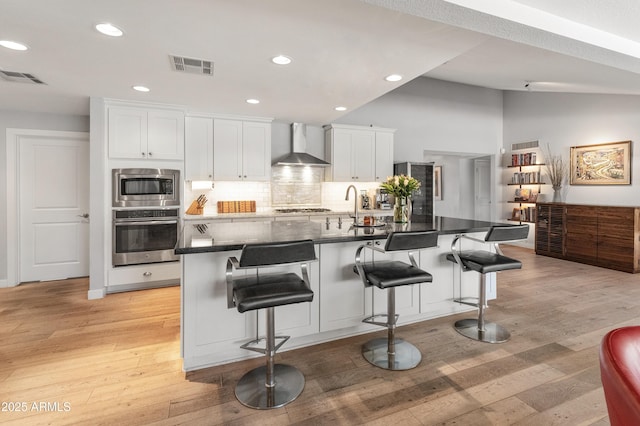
[303, 210]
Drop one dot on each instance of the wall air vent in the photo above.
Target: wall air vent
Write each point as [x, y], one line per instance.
[191, 66]
[20, 77]
[524, 145]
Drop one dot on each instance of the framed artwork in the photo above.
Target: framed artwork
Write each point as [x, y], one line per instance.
[602, 164]
[437, 183]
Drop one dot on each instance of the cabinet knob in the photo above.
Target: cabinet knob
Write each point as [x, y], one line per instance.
[150, 154]
[147, 274]
[143, 154]
[210, 175]
[245, 176]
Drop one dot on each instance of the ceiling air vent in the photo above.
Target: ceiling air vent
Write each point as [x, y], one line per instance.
[191, 66]
[20, 77]
[524, 145]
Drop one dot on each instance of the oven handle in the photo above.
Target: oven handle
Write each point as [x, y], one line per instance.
[146, 222]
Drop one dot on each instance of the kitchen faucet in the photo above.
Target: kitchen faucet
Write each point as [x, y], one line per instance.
[355, 203]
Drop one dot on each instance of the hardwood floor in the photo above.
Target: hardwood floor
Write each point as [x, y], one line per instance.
[68, 360]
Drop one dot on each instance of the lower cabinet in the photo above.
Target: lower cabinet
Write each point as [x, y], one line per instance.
[344, 301]
[618, 238]
[212, 333]
[581, 233]
[123, 278]
[550, 230]
[605, 236]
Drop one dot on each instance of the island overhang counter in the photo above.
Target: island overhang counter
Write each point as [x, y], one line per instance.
[211, 333]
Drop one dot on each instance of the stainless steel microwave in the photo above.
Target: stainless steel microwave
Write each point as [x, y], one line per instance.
[146, 187]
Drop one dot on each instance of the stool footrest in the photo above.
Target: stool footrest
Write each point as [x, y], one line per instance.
[371, 320]
[471, 301]
[250, 344]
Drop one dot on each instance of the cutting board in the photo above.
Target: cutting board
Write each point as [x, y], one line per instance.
[247, 206]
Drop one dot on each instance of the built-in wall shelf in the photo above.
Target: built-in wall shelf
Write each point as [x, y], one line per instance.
[528, 182]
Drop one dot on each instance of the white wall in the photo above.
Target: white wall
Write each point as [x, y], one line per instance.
[563, 120]
[26, 120]
[441, 122]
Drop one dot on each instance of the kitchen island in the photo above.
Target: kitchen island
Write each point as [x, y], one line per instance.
[211, 333]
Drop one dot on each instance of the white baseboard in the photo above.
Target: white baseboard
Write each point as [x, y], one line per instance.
[3, 283]
[96, 294]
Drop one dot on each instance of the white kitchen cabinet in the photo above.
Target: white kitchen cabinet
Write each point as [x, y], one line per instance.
[241, 150]
[198, 148]
[141, 276]
[344, 302]
[358, 154]
[384, 155]
[210, 327]
[142, 133]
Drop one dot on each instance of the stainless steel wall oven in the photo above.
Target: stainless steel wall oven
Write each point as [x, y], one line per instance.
[144, 236]
[145, 187]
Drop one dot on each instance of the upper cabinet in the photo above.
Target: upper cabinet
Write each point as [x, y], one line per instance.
[145, 133]
[384, 154]
[241, 150]
[198, 148]
[358, 153]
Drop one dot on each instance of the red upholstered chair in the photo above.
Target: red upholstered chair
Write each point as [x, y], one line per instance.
[620, 373]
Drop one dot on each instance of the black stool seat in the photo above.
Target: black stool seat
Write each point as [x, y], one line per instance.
[270, 290]
[385, 274]
[485, 262]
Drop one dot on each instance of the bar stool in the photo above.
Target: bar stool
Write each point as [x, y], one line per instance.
[486, 262]
[391, 353]
[272, 385]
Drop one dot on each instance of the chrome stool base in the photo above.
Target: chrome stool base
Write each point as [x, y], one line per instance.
[406, 355]
[493, 333]
[252, 392]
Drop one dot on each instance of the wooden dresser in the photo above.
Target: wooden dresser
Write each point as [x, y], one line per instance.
[604, 236]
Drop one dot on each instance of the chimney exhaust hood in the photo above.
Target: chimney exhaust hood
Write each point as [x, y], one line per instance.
[299, 156]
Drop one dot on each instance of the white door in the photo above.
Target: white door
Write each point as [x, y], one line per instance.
[482, 189]
[53, 207]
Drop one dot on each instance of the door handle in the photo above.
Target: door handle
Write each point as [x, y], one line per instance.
[84, 215]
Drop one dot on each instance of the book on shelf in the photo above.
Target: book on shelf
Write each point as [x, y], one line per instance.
[526, 177]
[524, 159]
[524, 214]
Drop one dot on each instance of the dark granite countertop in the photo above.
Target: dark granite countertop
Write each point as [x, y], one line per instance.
[213, 236]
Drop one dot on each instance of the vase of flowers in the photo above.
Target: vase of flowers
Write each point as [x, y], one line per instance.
[401, 187]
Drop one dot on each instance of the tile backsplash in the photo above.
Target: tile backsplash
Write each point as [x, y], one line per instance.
[287, 188]
[299, 186]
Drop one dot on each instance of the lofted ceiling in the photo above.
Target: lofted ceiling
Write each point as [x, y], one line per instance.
[341, 51]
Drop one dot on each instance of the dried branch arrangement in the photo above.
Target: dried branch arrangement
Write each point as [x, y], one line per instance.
[557, 169]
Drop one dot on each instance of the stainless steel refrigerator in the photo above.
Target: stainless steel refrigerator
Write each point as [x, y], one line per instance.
[422, 200]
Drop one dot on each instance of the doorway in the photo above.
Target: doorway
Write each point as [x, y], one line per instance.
[48, 205]
[482, 184]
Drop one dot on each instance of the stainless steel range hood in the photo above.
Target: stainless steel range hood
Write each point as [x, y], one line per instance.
[299, 156]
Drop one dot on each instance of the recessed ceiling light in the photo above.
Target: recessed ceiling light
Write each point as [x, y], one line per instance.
[281, 60]
[340, 108]
[13, 45]
[108, 29]
[253, 101]
[141, 88]
[393, 77]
